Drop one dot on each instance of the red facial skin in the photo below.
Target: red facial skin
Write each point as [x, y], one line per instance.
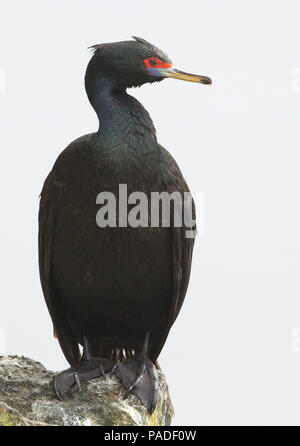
[158, 63]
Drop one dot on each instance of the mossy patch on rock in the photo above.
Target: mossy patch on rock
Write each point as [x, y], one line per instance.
[27, 398]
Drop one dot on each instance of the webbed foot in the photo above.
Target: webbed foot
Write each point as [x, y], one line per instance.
[139, 376]
[64, 381]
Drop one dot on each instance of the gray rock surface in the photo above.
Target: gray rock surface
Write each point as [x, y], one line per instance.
[27, 398]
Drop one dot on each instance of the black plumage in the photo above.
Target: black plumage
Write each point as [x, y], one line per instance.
[116, 290]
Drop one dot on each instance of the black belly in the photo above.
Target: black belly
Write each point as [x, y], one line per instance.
[113, 284]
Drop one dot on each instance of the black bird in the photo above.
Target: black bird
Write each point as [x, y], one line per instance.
[116, 291]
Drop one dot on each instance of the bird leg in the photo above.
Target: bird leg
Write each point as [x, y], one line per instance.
[88, 368]
[139, 376]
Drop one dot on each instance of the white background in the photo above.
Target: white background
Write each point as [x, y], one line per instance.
[233, 355]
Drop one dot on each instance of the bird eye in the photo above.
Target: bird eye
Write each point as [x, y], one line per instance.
[152, 62]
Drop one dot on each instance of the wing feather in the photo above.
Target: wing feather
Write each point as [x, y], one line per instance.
[182, 246]
[50, 201]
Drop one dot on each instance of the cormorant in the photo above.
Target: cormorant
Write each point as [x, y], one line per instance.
[114, 290]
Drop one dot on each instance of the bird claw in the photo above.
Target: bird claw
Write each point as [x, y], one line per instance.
[77, 381]
[103, 372]
[112, 372]
[133, 385]
[57, 393]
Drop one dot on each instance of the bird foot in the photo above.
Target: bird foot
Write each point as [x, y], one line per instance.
[139, 376]
[64, 381]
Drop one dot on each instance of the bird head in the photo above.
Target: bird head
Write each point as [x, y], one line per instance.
[136, 62]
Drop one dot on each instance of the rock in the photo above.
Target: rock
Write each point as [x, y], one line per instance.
[27, 398]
